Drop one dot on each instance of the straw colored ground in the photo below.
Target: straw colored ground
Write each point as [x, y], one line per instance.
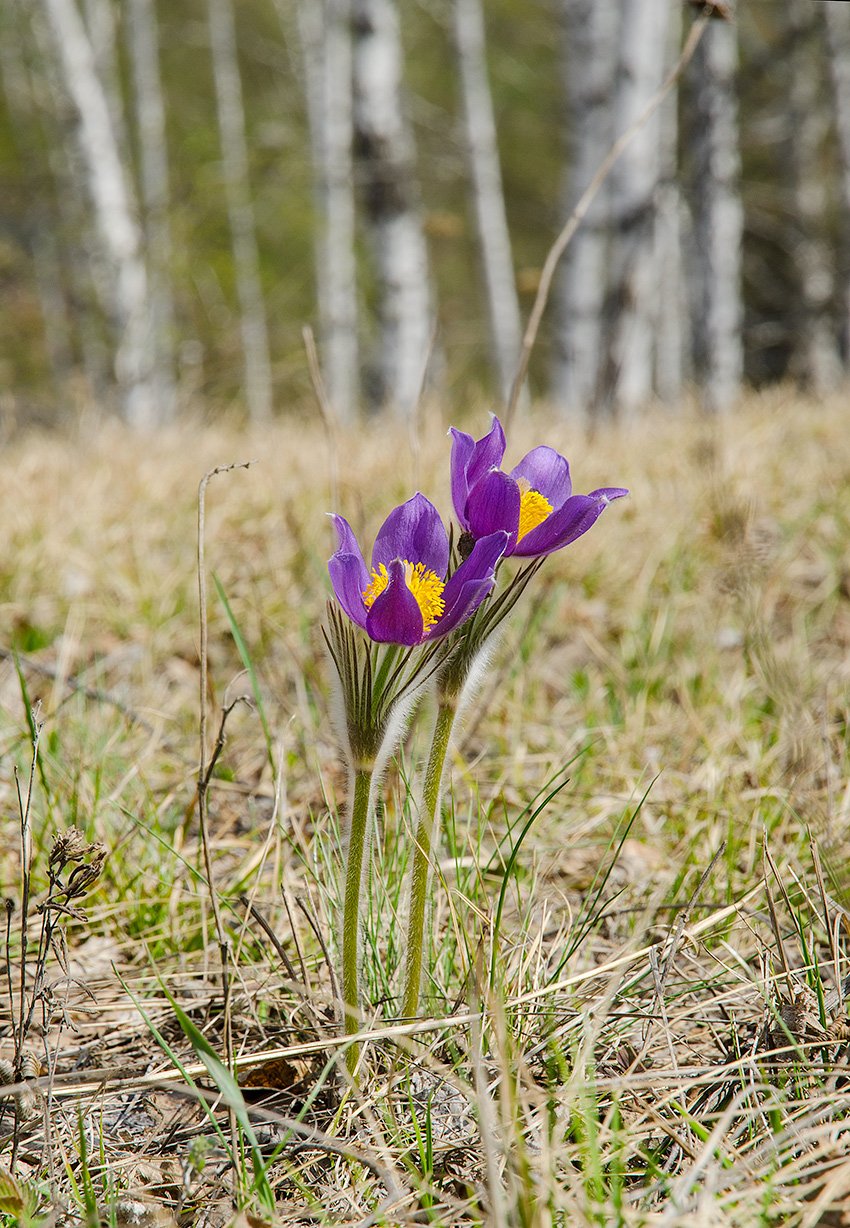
[598, 1053]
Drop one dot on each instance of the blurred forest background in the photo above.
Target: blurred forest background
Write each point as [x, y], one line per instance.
[184, 186]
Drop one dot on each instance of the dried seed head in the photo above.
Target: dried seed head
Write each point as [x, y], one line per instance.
[70, 845]
[83, 877]
[30, 1065]
[27, 1101]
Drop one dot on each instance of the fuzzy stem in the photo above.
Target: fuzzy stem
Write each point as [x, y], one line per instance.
[351, 909]
[446, 713]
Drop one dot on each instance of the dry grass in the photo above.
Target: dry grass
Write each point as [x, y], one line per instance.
[688, 658]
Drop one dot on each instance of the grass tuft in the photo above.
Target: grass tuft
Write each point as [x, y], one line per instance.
[637, 959]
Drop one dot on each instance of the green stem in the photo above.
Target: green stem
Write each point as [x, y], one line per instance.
[446, 713]
[351, 909]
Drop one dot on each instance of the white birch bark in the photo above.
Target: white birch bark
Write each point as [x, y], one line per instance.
[150, 120]
[671, 302]
[717, 219]
[589, 55]
[633, 286]
[246, 257]
[838, 32]
[117, 227]
[385, 168]
[493, 233]
[99, 19]
[325, 32]
[816, 359]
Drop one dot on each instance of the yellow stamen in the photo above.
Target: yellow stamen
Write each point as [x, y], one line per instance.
[533, 508]
[426, 587]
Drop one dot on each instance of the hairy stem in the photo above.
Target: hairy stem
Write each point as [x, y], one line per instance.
[446, 713]
[352, 907]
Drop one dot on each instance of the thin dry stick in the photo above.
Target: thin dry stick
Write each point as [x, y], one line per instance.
[248, 901]
[774, 920]
[203, 771]
[221, 738]
[253, 913]
[26, 862]
[9, 906]
[203, 786]
[833, 946]
[773, 867]
[660, 1006]
[834, 937]
[285, 896]
[329, 419]
[558, 248]
[314, 926]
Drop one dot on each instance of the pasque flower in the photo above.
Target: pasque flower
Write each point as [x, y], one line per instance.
[405, 597]
[535, 506]
[534, 503]
[409, 607]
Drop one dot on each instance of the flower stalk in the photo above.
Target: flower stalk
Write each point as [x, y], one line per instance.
[456, 683]
[425, 833]
[358, 843]
[378, 688]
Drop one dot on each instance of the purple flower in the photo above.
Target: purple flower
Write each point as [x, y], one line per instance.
[405, 597]
[534, 503]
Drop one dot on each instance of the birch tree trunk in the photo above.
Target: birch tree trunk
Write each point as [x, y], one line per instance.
[150, 120]
[385, 171]
[117, 228]
[493, 234]
[589, 44]
[246, 257]
[671, 304]
[838, 32]
[99, 19]
[631, 304]
[817, 360]
[325, 31]
[717, 218]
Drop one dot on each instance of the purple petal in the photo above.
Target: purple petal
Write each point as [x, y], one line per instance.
[350, 581]
[470, 584]
[416, 533]
[487, 454]
[462, 448]
[493, 504]
[346, 541]
[568, 522]
[609, 492]
[395, 616]
[349, 575]
[546, 471]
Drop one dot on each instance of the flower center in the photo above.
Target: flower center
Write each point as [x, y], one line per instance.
[533, 508]
[427, 589]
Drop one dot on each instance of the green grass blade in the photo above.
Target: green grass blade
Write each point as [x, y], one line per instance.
[232, 1095]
